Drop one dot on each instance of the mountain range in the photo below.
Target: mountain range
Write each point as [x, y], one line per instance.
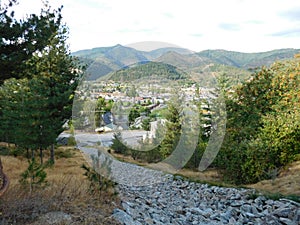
[200, 65]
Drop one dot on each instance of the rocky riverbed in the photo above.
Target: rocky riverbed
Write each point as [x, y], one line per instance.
[178, 201]
[152, 197]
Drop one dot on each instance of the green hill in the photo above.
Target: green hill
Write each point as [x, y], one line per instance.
[149, 71]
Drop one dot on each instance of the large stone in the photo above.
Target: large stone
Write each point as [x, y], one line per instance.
[55, 218]
[297, 216]
[124, 218]
[246, 208]
[282, 212]
[287, 221]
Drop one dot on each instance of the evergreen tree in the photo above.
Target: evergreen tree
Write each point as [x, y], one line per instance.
[173, 127]
[133, 114]
[34, 176]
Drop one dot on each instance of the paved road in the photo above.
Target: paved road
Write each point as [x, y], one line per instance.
[130, 138]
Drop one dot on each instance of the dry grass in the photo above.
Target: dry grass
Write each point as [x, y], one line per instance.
[287, 183]
[67, 191]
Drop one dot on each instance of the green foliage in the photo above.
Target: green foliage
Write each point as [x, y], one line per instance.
[173, 127]
[64, 153]
[11, 150]
[34, 176]
[247, 60]
[4, 150]
[204, 133]
[24, 110]
[20, 39]
[152, 156]
[263, 128]
[133, 114]
[146, 124]
[207, 74]
[102, 106]
[72, 141]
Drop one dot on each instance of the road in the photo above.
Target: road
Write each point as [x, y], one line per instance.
[129, 137]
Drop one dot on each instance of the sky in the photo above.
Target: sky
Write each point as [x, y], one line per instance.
[236, 25]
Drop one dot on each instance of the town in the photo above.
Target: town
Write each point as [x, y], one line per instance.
[147, 101]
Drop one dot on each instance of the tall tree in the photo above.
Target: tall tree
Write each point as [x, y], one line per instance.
[59, 74]
[173, 126]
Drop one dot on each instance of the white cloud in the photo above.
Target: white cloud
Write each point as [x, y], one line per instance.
[243, 25]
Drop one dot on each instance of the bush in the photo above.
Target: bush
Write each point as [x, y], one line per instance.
[64, 153]
[98, 183]
[4, 150]
[72, 141]
[34, 176]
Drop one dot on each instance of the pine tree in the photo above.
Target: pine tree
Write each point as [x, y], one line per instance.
[173, 127]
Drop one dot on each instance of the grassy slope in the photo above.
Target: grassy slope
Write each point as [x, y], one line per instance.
[67, 192]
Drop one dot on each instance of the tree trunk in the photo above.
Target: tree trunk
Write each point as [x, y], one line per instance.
[32, 154]
[41, 155]
[27, 153]
[52, 154]
[4, 180]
